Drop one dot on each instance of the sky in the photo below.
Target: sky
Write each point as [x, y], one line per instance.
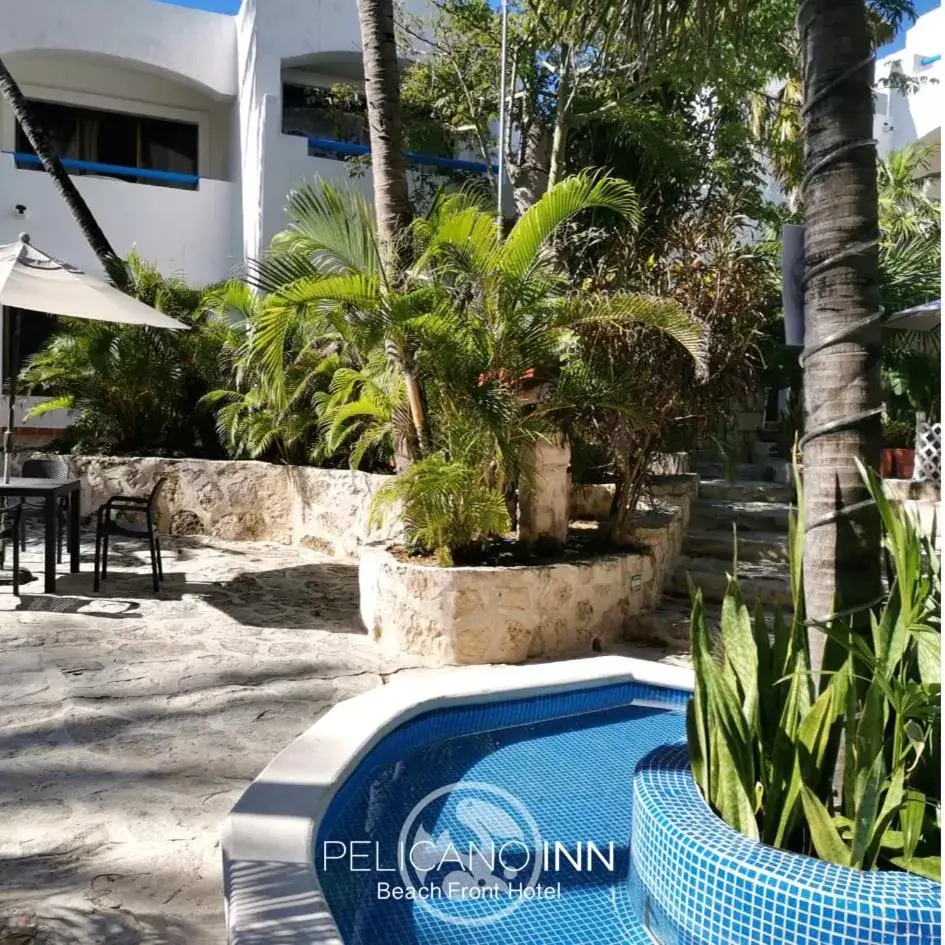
[216, 6]
[921, 6]
[231, 6]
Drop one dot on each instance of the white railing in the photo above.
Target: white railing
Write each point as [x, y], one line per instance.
[928, 451]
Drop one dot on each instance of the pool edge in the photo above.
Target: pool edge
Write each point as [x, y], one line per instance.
[267, 841]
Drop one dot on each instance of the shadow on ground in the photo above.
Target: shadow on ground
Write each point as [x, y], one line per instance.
[322, 595]
[61, 925]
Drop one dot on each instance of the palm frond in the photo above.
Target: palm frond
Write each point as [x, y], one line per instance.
[331, 226]
[573, 195]
[618, 311]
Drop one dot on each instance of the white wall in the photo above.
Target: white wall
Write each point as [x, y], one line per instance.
[225, 73]
[271, 33]
[189, 44]
[187, 232]
[122, 87]
[907, 118]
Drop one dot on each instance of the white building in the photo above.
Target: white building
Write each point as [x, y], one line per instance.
[183, 130]
[902, 119]
[186, 129]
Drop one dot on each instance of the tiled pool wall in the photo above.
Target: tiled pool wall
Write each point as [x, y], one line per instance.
[452, 721]
[696, 881]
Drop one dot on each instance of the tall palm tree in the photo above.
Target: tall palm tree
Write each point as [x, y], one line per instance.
[38, 138]
[841, 373]
[382, 91]
[485, 318]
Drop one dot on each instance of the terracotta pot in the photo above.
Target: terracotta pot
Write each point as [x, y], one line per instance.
[897, 463]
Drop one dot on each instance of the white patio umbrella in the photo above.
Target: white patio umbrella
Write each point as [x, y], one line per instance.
[31, 279]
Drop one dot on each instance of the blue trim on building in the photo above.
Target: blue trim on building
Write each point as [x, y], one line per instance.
[928, 60]
[118, 170]
[350, 149]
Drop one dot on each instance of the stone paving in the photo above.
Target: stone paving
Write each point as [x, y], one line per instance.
[130, 724]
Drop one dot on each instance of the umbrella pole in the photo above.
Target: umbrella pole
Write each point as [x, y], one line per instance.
[8, 433]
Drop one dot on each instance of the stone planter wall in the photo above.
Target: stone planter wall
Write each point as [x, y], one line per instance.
[695, 881]
[455, 616]
[237, 500]
[592, 502]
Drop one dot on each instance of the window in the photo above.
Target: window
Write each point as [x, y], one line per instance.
[118, 139]
[319, 113]
[339, 114]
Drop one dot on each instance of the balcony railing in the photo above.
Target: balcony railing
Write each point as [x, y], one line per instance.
[146, 174]
[350, 149]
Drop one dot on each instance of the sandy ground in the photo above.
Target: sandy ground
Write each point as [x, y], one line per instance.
[130, 724]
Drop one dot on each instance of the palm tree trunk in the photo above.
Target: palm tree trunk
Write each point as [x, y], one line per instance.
[391, 206]
[841, 376]
[38, 138]
[562, 113]
[382, 90]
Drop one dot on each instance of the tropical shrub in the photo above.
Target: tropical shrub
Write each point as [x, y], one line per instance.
[445, 506]
[459, 363]
[910, 271]
[665, 397]
[767, 739]
[139, 390]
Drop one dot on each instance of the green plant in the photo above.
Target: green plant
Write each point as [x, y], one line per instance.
[726, 444]
[141, 390]
[446, 359]
[445, 506]
[766, 738]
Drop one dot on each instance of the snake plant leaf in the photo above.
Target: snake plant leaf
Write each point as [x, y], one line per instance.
[928, 866]
[739, 647]
[735, 803]
[867, 807]
[929, 656]
[823, 832]
[911, 818]
[695, 736]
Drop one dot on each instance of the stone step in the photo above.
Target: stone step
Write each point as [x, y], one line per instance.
[760, 582]
[720, 489]
[752, 546]
[747, 516]
[715, 469]
[670, 624]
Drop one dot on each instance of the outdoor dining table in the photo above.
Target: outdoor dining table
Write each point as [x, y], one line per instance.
[51, 491]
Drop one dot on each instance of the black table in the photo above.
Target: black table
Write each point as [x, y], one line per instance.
[51, 491]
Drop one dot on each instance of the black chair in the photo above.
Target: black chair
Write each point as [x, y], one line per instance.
[54, 468]
[11, 525]
[106, 526]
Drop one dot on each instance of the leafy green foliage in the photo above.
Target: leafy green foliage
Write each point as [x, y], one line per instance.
[449, 360]
[140, 390]
[445, 506]
[910, 262]
[765, 741]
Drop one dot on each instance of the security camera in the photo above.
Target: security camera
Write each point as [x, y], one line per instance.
[20, 209]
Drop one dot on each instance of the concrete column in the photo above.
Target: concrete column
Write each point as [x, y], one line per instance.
[543, 503]
[260, 97]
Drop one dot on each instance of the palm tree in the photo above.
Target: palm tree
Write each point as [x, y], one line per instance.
[135, 389]
[841, 373]
[485, 318]
[41, 144]
[382, 91]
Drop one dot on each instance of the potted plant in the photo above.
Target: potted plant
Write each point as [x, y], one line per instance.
[810, 808]
[898, 456]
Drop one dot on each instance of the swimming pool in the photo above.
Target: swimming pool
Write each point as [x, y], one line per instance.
[546, 763]
[501, 824]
